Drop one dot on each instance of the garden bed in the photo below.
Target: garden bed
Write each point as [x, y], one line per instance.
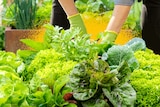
[56, 74]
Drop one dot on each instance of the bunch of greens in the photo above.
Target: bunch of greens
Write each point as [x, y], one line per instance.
[23, 12]
[42, 96]
[26, 14]
[94, 82]
[16, 93]
[105, 81]
[71, 43]
[12, 89]
[49, 65]
[62, 93]
[145, 80]
[9, 61]
[34, 93]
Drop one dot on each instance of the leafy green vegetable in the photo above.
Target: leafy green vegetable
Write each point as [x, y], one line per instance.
[95, 103]
[122, 95]
[12, 89]
[145, 80]
[110, 75]
[9, 59]
[136, 44]
[73, 44]
[84, 87]
[40, 98]
[49, 65]
[87, 79]
[95, 6]
[11, 63]
[26, 55]
[60, 89]
[118, 54]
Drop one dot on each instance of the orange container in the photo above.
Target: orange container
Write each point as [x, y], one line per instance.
[13, 37]
[97, 23]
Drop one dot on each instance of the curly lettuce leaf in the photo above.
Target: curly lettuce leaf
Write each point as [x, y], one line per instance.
[12, 89]
[49, 65]
[10, 59]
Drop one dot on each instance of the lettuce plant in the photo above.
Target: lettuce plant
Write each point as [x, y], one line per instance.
[145, 80]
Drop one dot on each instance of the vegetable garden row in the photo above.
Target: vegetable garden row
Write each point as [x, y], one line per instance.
[67, 69]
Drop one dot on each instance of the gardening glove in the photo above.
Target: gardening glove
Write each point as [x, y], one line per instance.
[109, 36]
[76, 21]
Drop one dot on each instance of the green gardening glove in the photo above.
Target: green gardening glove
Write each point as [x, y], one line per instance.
[109, 36]
[76, 21]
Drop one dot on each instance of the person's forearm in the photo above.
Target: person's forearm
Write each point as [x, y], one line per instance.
[73, 15]
[118, 18]
[69, 7]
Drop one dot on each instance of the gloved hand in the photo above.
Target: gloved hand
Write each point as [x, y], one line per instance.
[109, 36]
[76, 21]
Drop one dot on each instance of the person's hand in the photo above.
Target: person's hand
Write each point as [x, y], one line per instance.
[109, 36]
[76, 21]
